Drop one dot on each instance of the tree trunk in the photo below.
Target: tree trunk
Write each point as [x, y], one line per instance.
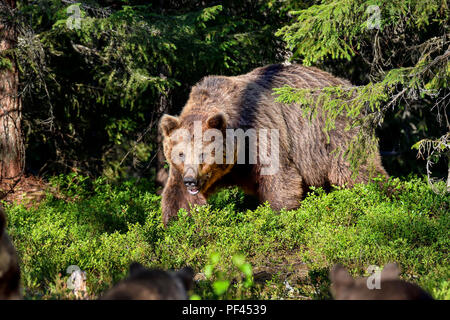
[11, 141]
[448, 175]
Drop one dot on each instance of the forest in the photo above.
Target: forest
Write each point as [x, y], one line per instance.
[83, 87]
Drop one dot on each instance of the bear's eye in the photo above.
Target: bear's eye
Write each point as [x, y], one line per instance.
[181, 155]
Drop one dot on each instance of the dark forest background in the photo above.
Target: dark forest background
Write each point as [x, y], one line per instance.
[92, 95]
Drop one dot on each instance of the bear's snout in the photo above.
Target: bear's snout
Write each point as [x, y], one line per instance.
[191, 184]
[190, 181]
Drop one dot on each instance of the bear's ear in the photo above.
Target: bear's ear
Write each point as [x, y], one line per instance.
[217, 121]
[340, 277]
[186, 275]
[168, 123]
[136, 268]
[390, 271]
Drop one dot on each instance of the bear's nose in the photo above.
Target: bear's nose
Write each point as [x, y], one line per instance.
[190, 181]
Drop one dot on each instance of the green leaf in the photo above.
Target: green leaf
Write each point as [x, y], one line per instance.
[246, 268]
[215, 257]
[220, 287]
[238, 260]
[209, 271]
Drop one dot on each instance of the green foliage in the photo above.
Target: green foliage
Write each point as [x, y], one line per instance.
[102, 227]
[221, 286]
[5, 63]
[407, 60]
[337, 29]
[76, 227]
[101, 88]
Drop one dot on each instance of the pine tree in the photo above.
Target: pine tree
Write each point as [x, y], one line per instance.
[404, 45]
[11, 142]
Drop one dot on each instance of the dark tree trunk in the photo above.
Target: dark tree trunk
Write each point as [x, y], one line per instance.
[11, 140]
[448, 175]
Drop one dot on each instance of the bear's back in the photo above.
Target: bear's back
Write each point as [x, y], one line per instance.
[294, 75]
[246, 97]
[265, 79]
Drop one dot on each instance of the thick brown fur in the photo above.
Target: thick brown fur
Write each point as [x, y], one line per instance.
[9, 266]
[344, 287]
[146, 284]
[247, 102]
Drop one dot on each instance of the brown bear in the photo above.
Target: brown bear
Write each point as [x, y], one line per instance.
[9, 266]
[344, 287]
[243, 109]
[146, 284]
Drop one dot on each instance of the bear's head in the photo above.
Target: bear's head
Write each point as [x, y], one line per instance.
[195, 146]
[388, 286]
[152, 284]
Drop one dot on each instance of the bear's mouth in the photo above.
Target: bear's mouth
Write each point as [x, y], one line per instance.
[197, 185]
[193, 190]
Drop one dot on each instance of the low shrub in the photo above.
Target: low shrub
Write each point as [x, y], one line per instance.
[103, 227]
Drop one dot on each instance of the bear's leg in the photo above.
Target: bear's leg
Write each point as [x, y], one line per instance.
[341, 174]
[175, 196]
[282, 190]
